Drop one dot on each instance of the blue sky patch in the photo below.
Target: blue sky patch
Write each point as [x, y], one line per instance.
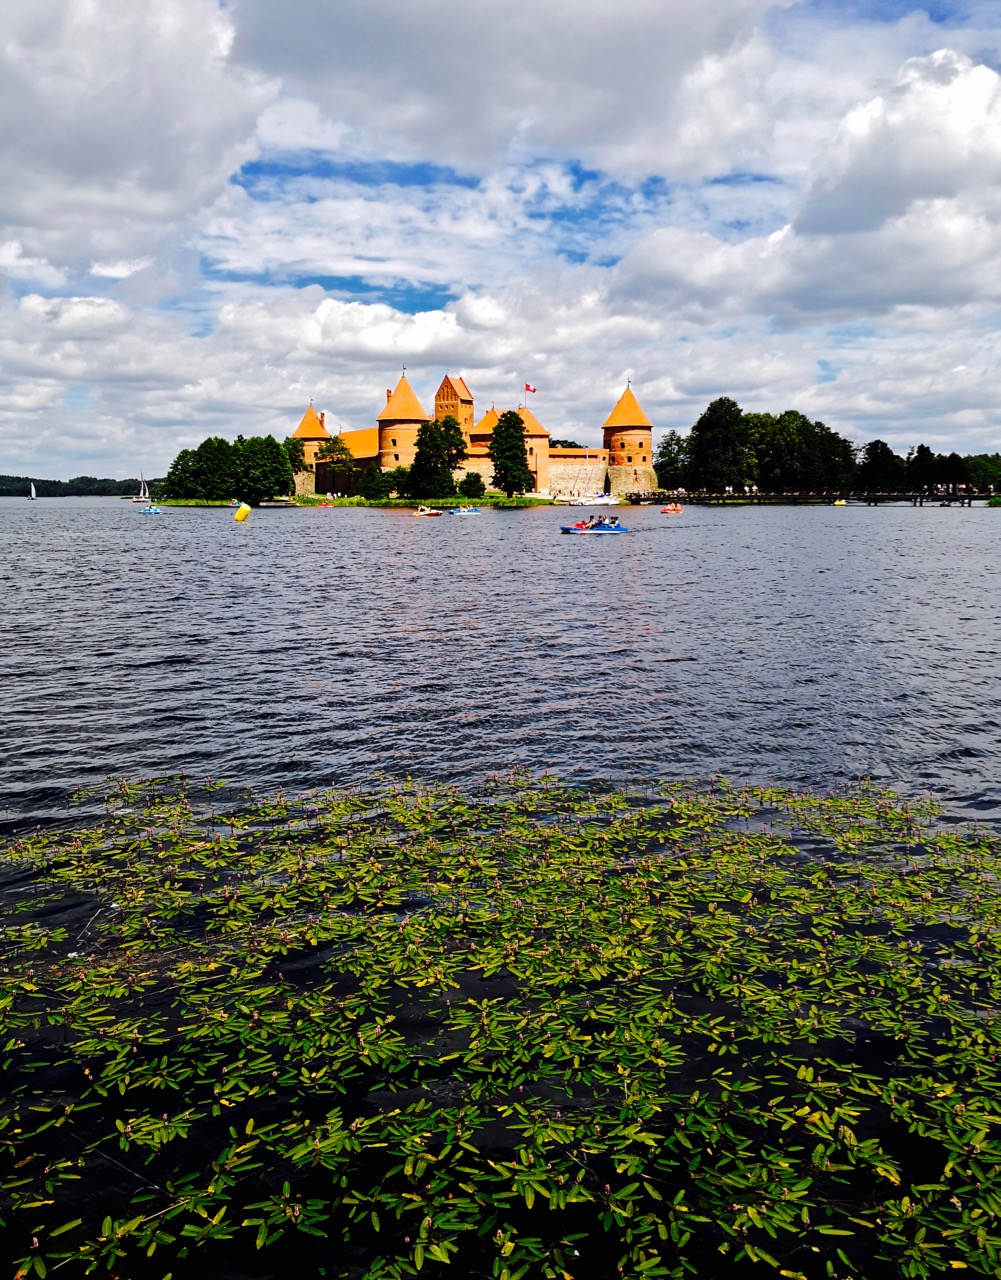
[404, 295]
[263, 179]
[77, 399]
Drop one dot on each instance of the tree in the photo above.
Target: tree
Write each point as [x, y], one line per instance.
[880, 469]
[338, 457]
[179, 481]
[671, 461]
[214, 470]
[922, 467]
[430, 473]
[509, 455]
[207, 473]
[565, 444]
[793, 454]
[396, 480]
[295, 451]
[471, 485]
[261, 469]
[374, 484]
[717, 448]
[836, 459]
[955, 470]
[453, 441]
[985, 470]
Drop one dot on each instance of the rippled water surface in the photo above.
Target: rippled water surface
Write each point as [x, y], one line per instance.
[317, 646]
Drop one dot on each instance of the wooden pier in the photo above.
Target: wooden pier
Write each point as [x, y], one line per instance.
[868, 499]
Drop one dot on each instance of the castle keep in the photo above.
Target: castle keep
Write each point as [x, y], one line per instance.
[623, 465]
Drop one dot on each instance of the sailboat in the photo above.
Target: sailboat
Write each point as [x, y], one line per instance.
[31, 495]
[143, 494]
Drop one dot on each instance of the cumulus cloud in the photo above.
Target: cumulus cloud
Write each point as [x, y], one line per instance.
[474, 83]
[903, 211]
[119, 119]
[934, 134]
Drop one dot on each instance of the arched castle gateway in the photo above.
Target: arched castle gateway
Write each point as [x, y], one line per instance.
[623, 465]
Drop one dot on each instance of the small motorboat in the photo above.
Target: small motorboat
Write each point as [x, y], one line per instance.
[465, 511]
[839, 502]
[428, 511]
[589, 500]
[151, 510]
[672, 509]
[582, 527]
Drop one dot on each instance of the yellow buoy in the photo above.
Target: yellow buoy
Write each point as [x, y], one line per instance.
[241, 513]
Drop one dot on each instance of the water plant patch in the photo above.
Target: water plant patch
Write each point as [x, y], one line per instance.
[524, 1030]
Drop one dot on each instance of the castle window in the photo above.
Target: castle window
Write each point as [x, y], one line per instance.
[530, 449]
[396, 456]
[393, 443]
[630, 458]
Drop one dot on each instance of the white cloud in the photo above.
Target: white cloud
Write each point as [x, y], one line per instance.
[120, 270]
[119, 119]
[904, 211]
[16, 263]
[468, 82]
[936, 133]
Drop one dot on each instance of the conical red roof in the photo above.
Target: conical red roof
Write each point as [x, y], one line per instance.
[627, 413]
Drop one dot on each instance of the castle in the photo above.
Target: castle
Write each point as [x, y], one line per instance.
[623, 465]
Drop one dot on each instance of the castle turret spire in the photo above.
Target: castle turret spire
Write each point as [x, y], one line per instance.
[399, 422]
[629, 441]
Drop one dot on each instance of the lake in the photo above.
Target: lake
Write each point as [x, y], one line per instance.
[317, 646]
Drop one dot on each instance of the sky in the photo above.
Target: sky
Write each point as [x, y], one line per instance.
[215, 210]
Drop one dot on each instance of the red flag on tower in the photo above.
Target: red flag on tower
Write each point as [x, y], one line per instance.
[528, 388]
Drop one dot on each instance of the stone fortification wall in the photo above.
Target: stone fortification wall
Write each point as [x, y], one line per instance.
[632, 479]
[483, 467]
[574, 474]
[305, 484]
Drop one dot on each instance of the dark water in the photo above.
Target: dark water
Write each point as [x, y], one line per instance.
[316, 646]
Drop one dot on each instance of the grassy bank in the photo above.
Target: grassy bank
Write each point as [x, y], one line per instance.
[443, 504]
[189, 502]
[529, 1030]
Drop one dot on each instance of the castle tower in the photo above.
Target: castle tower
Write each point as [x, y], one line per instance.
[537, 447]
[312, 431]
[629, 441]
[454, 397]
[398, 426]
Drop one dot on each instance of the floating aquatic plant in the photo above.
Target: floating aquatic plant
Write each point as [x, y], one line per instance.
[530, 1030]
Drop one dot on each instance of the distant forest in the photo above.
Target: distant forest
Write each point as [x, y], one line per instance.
[728, 448]
[78, 487]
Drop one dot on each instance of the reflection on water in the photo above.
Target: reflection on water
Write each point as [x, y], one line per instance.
[315, 646]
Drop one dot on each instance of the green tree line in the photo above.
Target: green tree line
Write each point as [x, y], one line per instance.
[253, 469]
[78, 487]
[789, 453]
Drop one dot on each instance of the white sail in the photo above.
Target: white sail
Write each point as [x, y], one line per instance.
[32, 498]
